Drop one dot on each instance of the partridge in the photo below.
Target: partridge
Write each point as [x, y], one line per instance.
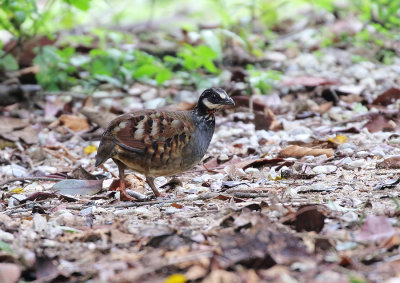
[159, 142]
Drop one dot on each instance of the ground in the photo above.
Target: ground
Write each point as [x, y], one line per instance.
[300, 185]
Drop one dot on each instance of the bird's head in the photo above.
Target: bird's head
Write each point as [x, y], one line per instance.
[214, 99]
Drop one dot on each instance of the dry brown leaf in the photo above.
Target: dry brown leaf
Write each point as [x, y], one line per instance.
[135, 183]
[266, 120]
[390, 163]
[310, 218]
[388, 97]
[8, 124]
[299, 151]
[72, 122]
[322, 108]
[27, 134]
[100, 118]
[383, 122]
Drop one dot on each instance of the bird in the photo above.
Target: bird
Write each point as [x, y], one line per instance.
[160, 142]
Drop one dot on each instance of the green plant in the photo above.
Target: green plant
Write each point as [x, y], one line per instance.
[198, 57]
[262, 81]
[55, 69]
[147, 66]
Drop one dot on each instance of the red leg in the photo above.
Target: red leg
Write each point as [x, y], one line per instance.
[122, 183]
[150, 181]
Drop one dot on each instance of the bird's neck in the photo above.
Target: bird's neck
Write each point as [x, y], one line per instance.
[206, 115]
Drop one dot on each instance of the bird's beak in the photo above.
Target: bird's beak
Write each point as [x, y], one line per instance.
[229, 101]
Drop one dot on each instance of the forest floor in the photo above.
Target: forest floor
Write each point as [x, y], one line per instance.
[300, 185]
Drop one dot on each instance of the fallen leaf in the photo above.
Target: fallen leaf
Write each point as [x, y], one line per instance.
[309, 81]
[100, 118]
[266, 120]
[9, 273]
[176, 278]
[299, 151]
[78, 187]
[388, 97]
[176, 205]
[262, 245]
[339, 139]
[394, 241]
[376, 229]
[90, 149]
[72, 122]
[310, 218]
[81, 173]
[389, 163]
[322, 108]
[17, 191]
[246, 101]
[14, 129]
[38, 196]
[382, 122]
[45, 268]
[8, 124]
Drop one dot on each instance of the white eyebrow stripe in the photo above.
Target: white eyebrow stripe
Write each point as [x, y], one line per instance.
[210, 105]
[222, 94]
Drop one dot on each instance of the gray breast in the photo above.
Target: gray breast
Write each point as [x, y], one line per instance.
[198, 145]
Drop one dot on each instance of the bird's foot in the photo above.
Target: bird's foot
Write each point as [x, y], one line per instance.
[124, 195]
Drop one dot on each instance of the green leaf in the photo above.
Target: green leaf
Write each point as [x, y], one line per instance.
[6, 247]
[8, 63]
[97, 52]
[83, 5]
[20, 16]
[108, 79]
[207, 52]
[163, 75]
[145, 70]
[209, 65]
[104, 66]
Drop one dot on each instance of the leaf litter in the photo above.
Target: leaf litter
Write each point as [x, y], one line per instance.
[300, 185]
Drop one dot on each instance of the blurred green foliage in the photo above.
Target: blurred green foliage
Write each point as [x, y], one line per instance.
[249, 23]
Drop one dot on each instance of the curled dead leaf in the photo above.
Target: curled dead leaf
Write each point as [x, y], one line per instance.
[299, 151]
[388, 97]
[72, 122]
[310, 218]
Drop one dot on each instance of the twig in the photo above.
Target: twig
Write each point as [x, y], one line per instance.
[24, 179]
[251, 195]
[135, 204]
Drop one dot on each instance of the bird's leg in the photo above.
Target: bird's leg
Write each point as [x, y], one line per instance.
[150, 181]
[122, 183]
